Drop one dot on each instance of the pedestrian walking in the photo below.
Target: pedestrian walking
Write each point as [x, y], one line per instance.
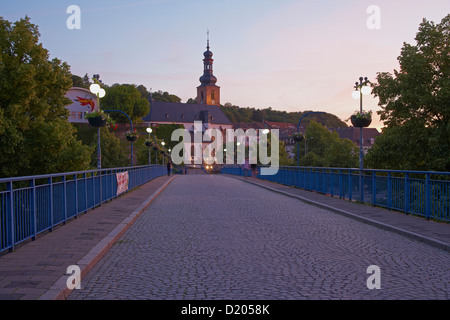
[253, 165]
[169, 167]
[246, 168]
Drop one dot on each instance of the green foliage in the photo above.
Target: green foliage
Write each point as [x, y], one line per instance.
[248, 115]
[326, 149]
[128, 99]
[164, 133]
[165, 97]
[113, 153]
[35, 136]
[415, 104]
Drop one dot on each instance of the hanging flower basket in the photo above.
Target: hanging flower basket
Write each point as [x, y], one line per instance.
[131, 135]
[148, 143]
[297, 137]
[361, 119]
[97, 122]
[99, 118]
[155, 148]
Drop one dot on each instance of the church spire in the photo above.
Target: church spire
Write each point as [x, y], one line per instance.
[208, 92]
[208, 78]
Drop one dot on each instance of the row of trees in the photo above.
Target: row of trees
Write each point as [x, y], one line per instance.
[248, 115]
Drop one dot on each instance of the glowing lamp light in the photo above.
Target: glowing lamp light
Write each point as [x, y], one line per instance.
[163, 143]
[149, 130]
[355, 94]
[366, 90]
[94, 88]
[101, 93]
[265, 131]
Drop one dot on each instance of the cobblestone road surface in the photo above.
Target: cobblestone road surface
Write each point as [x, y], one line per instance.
[213, 237]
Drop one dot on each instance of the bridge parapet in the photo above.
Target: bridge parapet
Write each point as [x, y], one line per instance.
[33, 204]
[422, 193]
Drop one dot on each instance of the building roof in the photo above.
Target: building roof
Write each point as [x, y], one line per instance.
[353, 134]
[185, 113]
[281, 125]
[251, 125]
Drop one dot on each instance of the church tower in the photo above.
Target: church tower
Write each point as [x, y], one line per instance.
[208, 92]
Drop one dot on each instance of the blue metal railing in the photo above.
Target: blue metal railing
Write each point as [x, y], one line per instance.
[422, 193]
[34, 204]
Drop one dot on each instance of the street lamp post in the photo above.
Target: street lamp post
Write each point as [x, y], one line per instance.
[298, 131]
[361, 88]
[163, 156]
[100, 93]
[149, 130]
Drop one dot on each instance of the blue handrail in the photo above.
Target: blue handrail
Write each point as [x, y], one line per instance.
[422, 193]
[33, 204]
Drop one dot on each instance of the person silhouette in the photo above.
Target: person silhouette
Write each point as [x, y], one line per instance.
[169, 167]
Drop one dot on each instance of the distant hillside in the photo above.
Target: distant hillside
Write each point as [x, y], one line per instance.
[247, 115]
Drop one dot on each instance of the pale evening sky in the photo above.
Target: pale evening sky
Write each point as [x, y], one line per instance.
[290, 55]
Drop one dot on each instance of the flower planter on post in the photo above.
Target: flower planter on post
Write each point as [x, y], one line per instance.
[131, 135]
[148, 143]
[97, 122]
[360, 122]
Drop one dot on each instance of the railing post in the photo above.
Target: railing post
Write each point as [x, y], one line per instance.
[389, 191]
[33, 195]
[9, 188]
[76, 194]
[427, 196]
[324, 188]
[374, 188]
[407, 193]
[50, 182]
[331, 183]
[65, 198]
[361, 185]
[100, 187]
[350, 192]
[85, 192]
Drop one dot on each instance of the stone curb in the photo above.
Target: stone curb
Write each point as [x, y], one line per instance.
[59, 290]
[430, 241]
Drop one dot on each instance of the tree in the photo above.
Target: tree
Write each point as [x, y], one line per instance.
[113, 154]
[164, 133]
[78, 82]
[86, 81]
[144, 92]
[165, 97]
[35, 136]
[415, 103]
[128, 99]
[326, 149]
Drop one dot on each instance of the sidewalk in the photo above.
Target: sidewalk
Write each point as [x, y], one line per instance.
[427, 231]
[37, 269]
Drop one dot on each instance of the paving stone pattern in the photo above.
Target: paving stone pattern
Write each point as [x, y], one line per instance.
[213, 237]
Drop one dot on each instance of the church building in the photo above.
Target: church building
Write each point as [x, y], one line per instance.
[207, 109]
